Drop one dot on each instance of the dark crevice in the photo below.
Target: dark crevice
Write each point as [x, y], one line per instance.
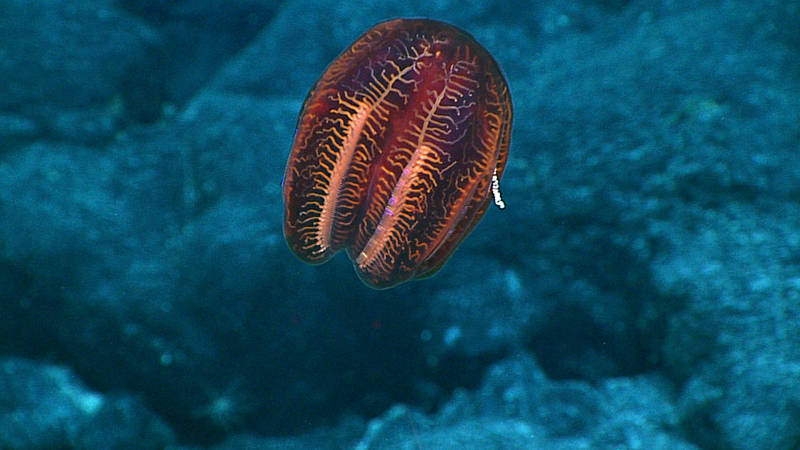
[199, 39]
[700, 429]
[624, 337]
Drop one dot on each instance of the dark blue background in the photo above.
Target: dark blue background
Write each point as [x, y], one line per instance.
[641, 289]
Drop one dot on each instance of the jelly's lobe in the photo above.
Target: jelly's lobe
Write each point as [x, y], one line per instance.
[396, 149]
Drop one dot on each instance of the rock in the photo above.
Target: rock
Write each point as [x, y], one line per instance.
[70, 66]
[44, 406]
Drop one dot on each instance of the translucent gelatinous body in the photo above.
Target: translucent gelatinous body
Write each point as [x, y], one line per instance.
[399, 148]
